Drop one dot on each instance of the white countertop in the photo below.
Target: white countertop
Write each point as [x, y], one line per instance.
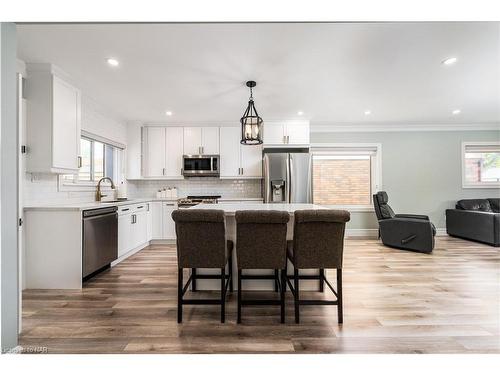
[230, 208]
[92, 205]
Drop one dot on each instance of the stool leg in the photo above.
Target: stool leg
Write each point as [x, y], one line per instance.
[340, 311]
[222, 294]
[283, 283]
[285, 274]
[276, 280]
[231, 288]
[193, 282]
[321, 280]
[296, 294]
[239, 296]
[179, 296]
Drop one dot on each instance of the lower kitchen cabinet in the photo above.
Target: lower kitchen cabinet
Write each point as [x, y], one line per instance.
[168, 222]
[163, 226]
[132, 227]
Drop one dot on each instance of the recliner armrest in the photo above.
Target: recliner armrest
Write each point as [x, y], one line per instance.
[411, 216]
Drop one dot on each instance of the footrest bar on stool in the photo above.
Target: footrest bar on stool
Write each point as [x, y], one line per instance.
[317, 302]
[260, 302]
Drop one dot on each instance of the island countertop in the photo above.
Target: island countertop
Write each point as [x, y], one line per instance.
[231, 208]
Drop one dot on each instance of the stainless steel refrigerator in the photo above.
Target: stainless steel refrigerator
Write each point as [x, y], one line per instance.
[287, 176]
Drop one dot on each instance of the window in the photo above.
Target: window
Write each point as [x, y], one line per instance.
[97, 159]
[346, 176]
[481, 164]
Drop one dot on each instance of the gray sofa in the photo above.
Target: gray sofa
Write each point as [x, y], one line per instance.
[476, 220]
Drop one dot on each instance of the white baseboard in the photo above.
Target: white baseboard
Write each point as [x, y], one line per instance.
[373, 233]
[353, 233]
[162, 242]
[130, 253]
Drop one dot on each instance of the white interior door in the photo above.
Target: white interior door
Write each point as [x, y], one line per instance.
[192, 141]
[251, 160]
[210, 140]
[174, 146]
[155, 152]
[66, 125]
[298, 134]
[274, 134]
[229, 151]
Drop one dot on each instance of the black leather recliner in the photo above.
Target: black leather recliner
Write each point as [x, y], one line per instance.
[407, 232]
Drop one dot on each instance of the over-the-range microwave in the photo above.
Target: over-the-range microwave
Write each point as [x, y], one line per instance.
[200, 166]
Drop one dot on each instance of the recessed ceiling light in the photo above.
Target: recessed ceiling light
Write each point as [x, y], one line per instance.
[112, 62]
[368, 112]
[449, 61]
[169, 113]
[456, 112]
[300, 113]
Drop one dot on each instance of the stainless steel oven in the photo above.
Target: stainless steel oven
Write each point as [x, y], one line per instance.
[201, 166]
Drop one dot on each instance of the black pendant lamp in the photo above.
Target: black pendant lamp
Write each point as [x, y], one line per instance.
[251, 122]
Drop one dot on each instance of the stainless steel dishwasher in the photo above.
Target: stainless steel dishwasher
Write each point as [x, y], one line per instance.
[100, 239]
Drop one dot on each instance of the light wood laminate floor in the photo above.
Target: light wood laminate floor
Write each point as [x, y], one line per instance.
[394, 302]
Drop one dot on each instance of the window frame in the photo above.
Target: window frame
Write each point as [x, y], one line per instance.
[118, 165]
[477, 185]
[376, 171]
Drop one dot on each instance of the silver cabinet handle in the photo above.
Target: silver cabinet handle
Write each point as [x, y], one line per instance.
[242, 171]
[163, 171]
[79, 161]
[284, 139]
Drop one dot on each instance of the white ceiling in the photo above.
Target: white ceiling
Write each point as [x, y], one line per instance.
[332, 72]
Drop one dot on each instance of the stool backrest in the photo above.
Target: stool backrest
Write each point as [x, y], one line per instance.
[201, 238]
[261, 239]
[318, 238]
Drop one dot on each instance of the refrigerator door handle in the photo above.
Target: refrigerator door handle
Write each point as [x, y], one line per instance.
[288, 179]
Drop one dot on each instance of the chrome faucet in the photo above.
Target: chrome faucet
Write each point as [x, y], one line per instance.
[98, 194]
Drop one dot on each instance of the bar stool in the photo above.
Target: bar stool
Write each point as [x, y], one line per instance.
[261, 244]
[201, 243]
[318, 243]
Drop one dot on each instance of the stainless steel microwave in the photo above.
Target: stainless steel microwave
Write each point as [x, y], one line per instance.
[201, 166]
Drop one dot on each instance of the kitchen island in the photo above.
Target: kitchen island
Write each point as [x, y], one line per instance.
[229, 212]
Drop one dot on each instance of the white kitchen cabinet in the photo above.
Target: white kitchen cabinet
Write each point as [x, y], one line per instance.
[168, 222]
[124, 234]
[287, 133]
[201, 140]
[149, 219]
[230, 152]
[157, 220]
[238, 160]
[174, 149]
[155, 154]
[192, 140]
[139, 227]
[53, 122]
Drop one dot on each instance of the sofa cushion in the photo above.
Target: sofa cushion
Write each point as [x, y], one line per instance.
[495, 204]
[474, 205]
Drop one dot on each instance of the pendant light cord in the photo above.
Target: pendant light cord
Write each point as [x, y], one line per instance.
[251, 93]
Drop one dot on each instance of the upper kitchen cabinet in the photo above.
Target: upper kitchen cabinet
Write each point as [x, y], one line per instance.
[53, 121]
[237, 160]
[162, 152]
[201, 140]
[286, 134]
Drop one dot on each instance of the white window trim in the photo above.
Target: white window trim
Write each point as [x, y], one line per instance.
[477, 185]
[79, 186]
[376, 171]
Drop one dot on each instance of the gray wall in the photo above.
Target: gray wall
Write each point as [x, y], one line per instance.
[9, 186]
[421, 171]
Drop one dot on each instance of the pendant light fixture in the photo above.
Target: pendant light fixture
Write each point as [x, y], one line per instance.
[251, 122]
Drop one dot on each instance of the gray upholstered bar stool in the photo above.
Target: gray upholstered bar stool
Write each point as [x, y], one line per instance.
[201, 243]
[261, 244]
[318, 243]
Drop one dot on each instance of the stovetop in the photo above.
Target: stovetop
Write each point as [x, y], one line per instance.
[203, 197]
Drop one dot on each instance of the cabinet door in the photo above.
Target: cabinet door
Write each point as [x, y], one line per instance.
[149, 219]
[274, 134]
[297, 133]
[140, 228]
[174, 143]
[192, 141]
[154, 152]
[157, 220]
[230, 152]
[168, 222]
[210, 140]
[66, 113]
[124, 234]
[251, 160]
